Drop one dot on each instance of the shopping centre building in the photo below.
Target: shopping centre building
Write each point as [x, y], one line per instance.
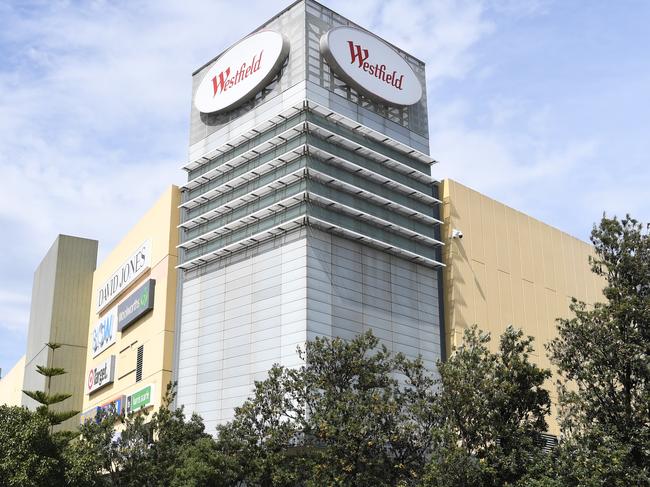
[309, 210]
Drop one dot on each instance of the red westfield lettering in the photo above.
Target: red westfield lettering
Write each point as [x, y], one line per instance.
[359, 56]
[223, 81]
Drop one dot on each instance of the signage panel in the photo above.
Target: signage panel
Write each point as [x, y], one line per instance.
[115, 405]
[101, 375]
[128, 272]
[241, 72]
[140, 399]
[136, 305]
[89, 415]
[105, 332]
[371, 66]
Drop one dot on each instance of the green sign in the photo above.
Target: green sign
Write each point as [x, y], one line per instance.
[139, 399]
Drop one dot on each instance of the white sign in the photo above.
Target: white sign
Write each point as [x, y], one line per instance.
[101, 375]
[370, 65]
[241, 72]
[105, 332]
[128, 272]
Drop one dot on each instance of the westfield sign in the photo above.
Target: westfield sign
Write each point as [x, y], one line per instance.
[223, 81]
[360, 56]
[241, 72]
[371, 66]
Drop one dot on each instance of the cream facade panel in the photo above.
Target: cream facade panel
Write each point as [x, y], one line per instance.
[509, 269]
[11, 384]
[151, 336]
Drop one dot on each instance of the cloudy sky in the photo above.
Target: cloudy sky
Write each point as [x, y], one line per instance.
[542, 104]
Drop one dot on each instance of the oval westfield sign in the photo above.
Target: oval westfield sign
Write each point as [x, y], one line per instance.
[370, 65]
[241, 72]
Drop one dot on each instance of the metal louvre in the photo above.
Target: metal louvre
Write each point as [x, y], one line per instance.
[236, 202]
[253, 182]
[249, 241]
[254, 226]
[256, 151]
[247, 176]
[372, 175]
[243, 137]
[370, 196]
[352, 235]
[373, 220]
[253, 217]
[368, 132]
[321, 110]
[369, 153]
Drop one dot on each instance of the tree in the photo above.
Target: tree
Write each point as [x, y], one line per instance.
[29, 456]
[603, 354]
[45, 398]
[353, 414]
[370, 412]
[494, 408]
[264, 441]
[145, 451]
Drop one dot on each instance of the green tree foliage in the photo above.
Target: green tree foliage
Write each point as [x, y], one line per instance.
[30, 456]
[494, 408]
[603, 354]
[143, 451]
[354, 414]
[46, 398]
[371, 412]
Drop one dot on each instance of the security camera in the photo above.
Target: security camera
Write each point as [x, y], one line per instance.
[455, 233]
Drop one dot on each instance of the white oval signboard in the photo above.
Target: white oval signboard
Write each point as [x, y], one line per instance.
[370, 65]
[241, 72]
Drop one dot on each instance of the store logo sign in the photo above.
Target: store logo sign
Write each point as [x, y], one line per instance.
[139, 399]
[371, 66]
[136, 305]
[105, 332]
[241, 72]
[101, 375]
[128, 272]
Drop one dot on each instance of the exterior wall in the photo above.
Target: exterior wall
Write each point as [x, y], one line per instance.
[60, 299]
[353, 288]
[509, 269]
[285, 195]
[242, 315]
[239, 317]
[11, 384]
[154, 330]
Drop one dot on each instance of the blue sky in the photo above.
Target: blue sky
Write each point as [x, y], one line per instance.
[541, 104]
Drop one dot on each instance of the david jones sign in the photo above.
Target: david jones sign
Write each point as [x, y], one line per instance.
[241, 72]
[371, 66]
[128, 272]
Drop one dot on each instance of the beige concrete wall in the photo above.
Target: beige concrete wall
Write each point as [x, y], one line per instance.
[509, 268]
[60, 298]
[155, 331]
[11, 384]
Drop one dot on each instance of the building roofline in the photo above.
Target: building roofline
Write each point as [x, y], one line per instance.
[289, 7]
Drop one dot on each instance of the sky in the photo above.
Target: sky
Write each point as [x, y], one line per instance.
[543, 105]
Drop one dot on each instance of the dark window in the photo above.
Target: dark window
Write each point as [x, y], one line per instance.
[138, 367]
